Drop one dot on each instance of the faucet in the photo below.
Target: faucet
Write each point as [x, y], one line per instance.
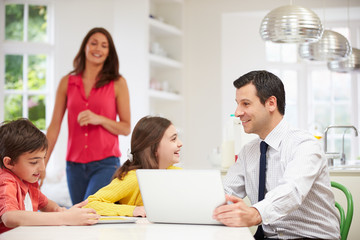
[342, 158]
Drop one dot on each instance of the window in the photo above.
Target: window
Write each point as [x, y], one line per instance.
[317, 97]
[286, 54]
[26, 60]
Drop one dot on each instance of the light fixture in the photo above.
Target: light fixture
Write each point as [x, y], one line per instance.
[332, 46]
[352, 63]
[291, 24]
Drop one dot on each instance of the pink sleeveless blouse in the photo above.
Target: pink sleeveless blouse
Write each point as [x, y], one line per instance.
[93, 142]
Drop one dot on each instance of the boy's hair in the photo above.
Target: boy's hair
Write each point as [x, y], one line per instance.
[145, 140]
[267, 84]
[18, 137]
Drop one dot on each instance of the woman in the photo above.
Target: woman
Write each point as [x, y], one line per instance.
[94, 94]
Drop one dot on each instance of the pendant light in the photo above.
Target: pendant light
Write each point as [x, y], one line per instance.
[352, 63]
[291, 24]
[332, 46]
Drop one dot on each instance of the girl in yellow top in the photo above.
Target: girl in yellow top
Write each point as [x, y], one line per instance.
[154, 145]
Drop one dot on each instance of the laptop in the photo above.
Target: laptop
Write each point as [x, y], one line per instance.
[181, 196]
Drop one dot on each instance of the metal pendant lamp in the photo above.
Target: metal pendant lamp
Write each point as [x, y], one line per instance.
[352, 63]
[332, 46]
[291, 24]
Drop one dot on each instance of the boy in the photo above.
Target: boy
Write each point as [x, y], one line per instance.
[22, 152]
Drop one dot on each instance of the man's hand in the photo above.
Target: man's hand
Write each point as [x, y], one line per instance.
[237, 214]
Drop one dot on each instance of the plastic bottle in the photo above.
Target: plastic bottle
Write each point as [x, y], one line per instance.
[228, 144]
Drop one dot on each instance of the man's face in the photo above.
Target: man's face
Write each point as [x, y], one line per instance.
[254, 116]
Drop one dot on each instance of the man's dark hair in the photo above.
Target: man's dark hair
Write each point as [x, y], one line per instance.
[267, 84]
[18, 137]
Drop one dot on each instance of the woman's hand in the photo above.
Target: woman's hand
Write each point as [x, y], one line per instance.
[88, 117]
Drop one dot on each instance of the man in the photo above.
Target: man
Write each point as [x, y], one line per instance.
[297, 201]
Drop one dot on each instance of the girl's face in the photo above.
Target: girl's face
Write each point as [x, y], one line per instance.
[97, 48]
[169, 148]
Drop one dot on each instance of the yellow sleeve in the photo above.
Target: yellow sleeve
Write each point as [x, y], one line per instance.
[105, 201]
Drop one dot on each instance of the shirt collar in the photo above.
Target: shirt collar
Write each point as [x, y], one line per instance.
[274, 138]
[23, 185]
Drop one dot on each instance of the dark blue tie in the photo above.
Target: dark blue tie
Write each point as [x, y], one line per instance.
[262, 177]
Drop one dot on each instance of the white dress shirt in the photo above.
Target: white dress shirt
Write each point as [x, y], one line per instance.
[298, 201]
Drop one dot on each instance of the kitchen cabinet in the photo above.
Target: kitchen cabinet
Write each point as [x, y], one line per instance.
[166, 88]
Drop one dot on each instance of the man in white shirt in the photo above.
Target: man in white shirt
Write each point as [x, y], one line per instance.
[298, 203]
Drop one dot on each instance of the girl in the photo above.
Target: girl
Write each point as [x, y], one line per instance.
[94, 94]
[154, 145]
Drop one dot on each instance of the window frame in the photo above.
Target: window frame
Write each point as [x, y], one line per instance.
[25, 49]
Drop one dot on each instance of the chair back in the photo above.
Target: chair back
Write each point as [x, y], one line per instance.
[345, 219]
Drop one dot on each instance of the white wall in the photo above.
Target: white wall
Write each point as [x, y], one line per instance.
[131, 31]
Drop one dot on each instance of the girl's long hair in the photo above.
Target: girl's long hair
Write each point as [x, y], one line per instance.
[110, 70]
[145, 140]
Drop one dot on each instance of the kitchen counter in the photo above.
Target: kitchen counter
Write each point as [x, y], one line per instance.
[352, 169]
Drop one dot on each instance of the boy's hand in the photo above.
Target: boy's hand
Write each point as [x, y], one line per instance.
[81, 204]
[77, 215]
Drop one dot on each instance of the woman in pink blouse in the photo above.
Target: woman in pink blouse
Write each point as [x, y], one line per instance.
[94, 94]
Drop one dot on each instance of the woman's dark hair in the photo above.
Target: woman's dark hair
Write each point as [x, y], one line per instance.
[267, 84]
[145, 140]
[110, 70]
[18, 137]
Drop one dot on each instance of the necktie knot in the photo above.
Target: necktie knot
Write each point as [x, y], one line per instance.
[263, 147]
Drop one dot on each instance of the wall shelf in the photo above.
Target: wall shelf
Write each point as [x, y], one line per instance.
[164, 95]
[161, 62]
[163, 29]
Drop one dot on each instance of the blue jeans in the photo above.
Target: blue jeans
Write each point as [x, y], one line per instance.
[85, 179]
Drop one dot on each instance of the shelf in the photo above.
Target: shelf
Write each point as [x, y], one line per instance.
[164, 95]
[160, 61]
[168, 1]
[163, 29]
[165, 56]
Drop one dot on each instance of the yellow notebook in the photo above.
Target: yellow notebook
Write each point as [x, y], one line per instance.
[117, 219]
